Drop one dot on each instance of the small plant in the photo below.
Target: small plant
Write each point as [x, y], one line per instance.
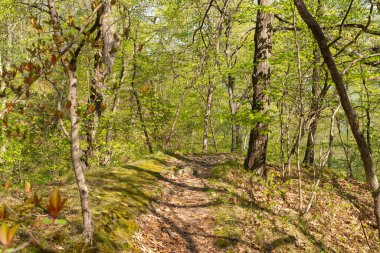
[3, 212]
[7, 234]
[28, 187]
[56, 203]
[7, 185]
[35, 200]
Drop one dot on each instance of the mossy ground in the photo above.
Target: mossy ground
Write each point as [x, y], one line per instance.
[118, 196]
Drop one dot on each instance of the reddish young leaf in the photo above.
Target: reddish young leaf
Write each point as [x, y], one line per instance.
[103, 106]
[54, 59]
[91, 108]
[56, 203]
[141, 47]
[35, 200]
[68, 105]
[7, 185]
[126, 33]
[4, 212]
[71, 21]
[7, 234]
[29, 66]
[28, 185]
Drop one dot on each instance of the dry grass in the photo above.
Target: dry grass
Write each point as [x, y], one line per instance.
[266, 216]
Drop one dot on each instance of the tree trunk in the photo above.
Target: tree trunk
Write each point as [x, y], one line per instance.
[346, 152]
[207, 116]
[233, 108]
[311, 139]
[103, 62]
[346, 104]
[76, 154]
[257, 149]
[110, 127]
[323, 160]
[181, 100]
[331, 138]
[230, 83]
[70, 69]
[367, 109]
[138, 102]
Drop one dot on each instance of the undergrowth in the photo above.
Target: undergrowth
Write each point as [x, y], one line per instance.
[118, 196]
[264, 215]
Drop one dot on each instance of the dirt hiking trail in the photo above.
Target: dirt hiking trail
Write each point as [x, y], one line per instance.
[181, 220]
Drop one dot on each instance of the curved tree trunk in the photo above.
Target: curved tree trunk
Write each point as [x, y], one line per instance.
[257, 149]
[352, 117]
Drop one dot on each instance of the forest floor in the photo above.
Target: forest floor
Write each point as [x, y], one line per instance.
[201, 203]
[209, 204]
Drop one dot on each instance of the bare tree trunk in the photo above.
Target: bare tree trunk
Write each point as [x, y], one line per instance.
[110, 127]
[284, 125]
[301, 110]
[213, 136]
[346, 152]
[367, 110]
[181, 100]
[257, 149]
[323, 160]
[364, 150]
[233, 108]
[103, 63]
[331, 138]
[307, 122]
[76, 154]
[138, 102]
[299, 172]
[309, 152]
[229, 53]
[282, 138]
[207, 116]
[70, 68]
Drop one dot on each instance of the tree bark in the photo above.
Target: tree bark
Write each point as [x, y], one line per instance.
[346, 152]
[103, 62]
[330, 150]
[233, 108]
[76, 154]
[207, 116]
[324, 160]
[138, 102]
[367, 109]
[311, 139]
[181, 100]
[115, 101]
[70, 69]
[257, 148]
[346, 104]
[230, 83]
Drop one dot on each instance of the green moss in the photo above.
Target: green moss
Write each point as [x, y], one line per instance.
[118, 196]
[121, 195]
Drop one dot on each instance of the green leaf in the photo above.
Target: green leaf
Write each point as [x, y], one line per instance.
[61, 222]
[47, 221]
